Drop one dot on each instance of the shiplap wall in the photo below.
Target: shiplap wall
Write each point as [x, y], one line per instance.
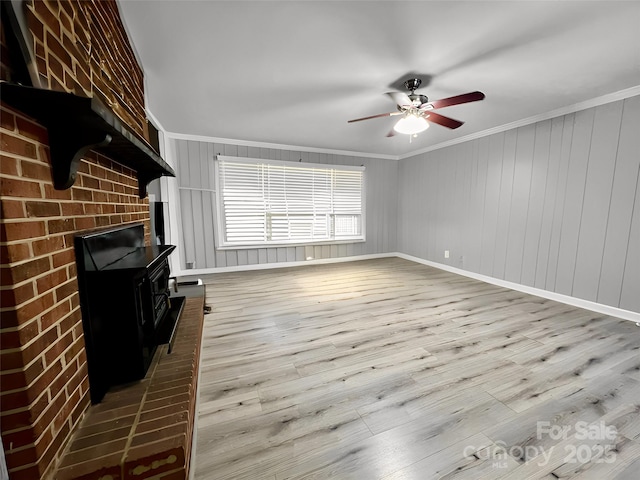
[195, 176]
[552, 205]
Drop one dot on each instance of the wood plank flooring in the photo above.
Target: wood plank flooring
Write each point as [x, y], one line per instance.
[388, 369]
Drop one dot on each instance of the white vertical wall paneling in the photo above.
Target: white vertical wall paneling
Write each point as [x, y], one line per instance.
[252, 257]
[183, 162]
[433, 207]
[230, 150]
[537, 192]
[467, 179]
[208, 208]
[382, 242]
[440, 227]
[193, 155]
[629, 297]
[621, 209]
[252, 152]
[373, 187]
[308, 251]
[199, 165]
[377, 229]
[406, 209]
[187, 228]
[188, 245]
[221, 258]
[198, 229]
[392, 212]
[519, 202]
[475, 207]
[574, 196]
[232, 258]
[453, 241]
[445, 224]
[558, 203]
[243, 257]
[491, 202]
[597, 197]
[243, 151]
[382, 231]
[550, 195]
[445, 175]
[628, 160]
[504, 206]
[203, 157]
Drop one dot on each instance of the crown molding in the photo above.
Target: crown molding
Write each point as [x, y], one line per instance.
[278, 146]
[592, 102]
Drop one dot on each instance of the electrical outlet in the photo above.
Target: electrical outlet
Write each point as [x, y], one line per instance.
[446, 254]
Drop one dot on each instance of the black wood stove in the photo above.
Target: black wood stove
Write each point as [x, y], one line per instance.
[125, 302]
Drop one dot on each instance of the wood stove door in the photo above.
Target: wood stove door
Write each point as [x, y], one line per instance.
[159, 282]
[145, 317]
[120, 312]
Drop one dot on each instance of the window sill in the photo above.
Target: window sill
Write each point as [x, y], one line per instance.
[285, 245]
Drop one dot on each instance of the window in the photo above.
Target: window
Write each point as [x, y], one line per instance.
[267, 202]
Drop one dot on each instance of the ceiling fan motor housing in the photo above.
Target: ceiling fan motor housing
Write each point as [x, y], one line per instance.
[418, 99]
[413, 84]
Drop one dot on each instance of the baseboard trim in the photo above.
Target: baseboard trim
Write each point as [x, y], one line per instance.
[558, 297]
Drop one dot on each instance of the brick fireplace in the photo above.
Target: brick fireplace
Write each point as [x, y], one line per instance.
[78, 47]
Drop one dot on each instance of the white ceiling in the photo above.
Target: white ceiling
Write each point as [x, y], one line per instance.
[293, 73]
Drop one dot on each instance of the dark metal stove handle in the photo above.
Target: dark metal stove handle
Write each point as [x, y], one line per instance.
[163, 294]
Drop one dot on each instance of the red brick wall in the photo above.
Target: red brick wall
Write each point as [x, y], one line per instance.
[81, 47]
[43, 374]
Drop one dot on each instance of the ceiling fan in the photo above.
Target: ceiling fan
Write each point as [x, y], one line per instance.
[417, 111]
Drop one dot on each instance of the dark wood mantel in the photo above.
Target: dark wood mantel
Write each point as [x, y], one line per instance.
[77, 124]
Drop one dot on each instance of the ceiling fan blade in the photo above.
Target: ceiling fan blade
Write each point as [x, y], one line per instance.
[374, 116]
[392, 133]
[401, 98]
[457, 100]
[434, 117]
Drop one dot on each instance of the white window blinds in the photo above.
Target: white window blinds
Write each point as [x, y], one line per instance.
[267, 202]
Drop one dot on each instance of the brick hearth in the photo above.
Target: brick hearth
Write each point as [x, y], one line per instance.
[144, 430]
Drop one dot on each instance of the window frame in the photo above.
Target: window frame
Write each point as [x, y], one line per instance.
[220, 233]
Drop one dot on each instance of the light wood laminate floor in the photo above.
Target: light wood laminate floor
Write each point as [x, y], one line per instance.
[388, 369]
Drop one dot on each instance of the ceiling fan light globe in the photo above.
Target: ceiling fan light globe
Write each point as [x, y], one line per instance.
[411, 124]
